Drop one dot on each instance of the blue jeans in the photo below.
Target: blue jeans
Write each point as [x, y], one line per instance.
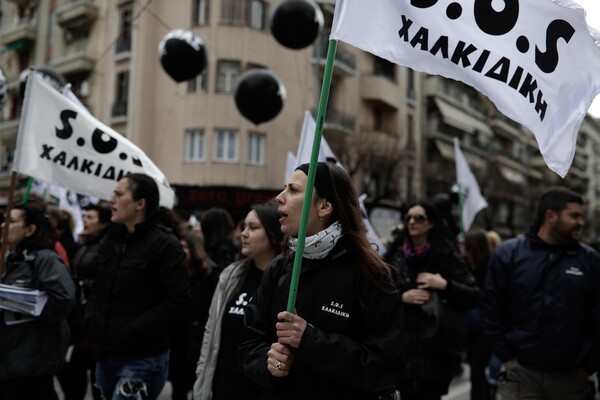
[120, 378]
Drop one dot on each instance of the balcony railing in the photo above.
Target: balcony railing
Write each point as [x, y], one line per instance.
[345, 61]
[22, 35]
[339, 121]
[77, 15]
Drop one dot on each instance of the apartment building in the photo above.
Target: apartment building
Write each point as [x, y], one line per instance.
[391, 127]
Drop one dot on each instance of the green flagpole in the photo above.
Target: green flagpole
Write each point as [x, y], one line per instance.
[460, 212]
[27, 190]
[312, 172]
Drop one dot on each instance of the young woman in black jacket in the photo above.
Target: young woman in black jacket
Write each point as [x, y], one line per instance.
[33, 350]
[430, 270]
[344, 339]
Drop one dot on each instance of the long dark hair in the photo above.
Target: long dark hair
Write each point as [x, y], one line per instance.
[42, 237]
[477, 249]
[217, 226]
[340, 192]
[144, 187]
[198, 259]
[437, 237]
[269, 218]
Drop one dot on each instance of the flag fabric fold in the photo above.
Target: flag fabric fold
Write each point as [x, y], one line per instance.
[537, 60]
[60, 142]
[471, 199]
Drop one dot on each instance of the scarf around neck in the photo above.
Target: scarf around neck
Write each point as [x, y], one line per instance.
[319, 245]
[410, 251]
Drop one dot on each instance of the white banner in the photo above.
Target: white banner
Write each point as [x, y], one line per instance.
[471, 199]
[535, 59]
[62, 143]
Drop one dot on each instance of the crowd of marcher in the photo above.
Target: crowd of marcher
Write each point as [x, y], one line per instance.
[141, 297]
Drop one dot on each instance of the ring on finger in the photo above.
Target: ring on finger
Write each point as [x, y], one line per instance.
[278, 365]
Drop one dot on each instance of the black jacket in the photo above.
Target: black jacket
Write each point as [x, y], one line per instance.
[542, 304]
[38, 347]
[141, 290]
[84, 265]
[427, 361]
[351, 348]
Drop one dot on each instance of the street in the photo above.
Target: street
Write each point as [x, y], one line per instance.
[459, 390]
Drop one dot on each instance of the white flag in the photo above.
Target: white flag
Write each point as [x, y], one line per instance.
[60, 142]
[290, 166]
[307, 137]
[537, 60]
[471, 199]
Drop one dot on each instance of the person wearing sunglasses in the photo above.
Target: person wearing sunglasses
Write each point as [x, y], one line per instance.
[432, 275]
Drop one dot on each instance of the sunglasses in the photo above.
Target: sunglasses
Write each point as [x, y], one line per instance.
[418, 218]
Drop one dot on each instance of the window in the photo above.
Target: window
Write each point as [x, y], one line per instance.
[121, 93]
[410, 84]
[384, 68]
[198, 84]
[256, 148]
[124, 40]
[195, 145]
[252, 13]
[227, 74]
[410, 130]
[200, 12]
[257, 14]
[226, 145]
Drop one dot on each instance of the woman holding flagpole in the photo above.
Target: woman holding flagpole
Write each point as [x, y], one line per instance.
[344, 340]
[437, 290]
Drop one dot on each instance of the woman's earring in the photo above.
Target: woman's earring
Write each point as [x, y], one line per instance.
[320, 218]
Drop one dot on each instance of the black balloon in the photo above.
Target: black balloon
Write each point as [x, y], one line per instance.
[259, 95]
[182, 54]
[296, 24]
[50, 75]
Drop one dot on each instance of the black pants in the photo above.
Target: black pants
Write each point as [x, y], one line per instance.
[430, 390]
[39, 388]
[74, 376]
[479, 355]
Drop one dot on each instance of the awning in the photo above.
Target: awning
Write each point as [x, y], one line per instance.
[460, 119]
[447, 152]
[512, 176]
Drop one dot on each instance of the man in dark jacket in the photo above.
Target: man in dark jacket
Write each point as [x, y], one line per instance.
[141, 290]
[541, 308]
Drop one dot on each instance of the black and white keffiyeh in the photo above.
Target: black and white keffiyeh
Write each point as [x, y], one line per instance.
[319, 245]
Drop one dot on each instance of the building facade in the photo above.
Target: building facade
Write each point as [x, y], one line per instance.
[391, 127]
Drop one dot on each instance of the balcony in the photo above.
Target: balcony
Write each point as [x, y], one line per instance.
[514, 171]
[22, 36]
[24, 2]
[75, 63]
[380, 89]
[338, 122]
[344, 63]
[9, 130]
[77, 15]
